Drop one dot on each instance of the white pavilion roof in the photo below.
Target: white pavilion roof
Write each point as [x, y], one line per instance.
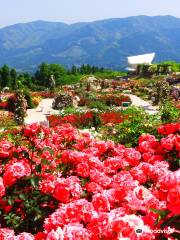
[141, 59]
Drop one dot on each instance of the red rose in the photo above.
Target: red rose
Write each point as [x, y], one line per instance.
[100, 203]
[83, 170]
[62, 193]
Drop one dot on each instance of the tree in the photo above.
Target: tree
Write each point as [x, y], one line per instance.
[58, 71]
[45, 71]
[43, 74]
[13, 75]
[145, 69]
[74, 70]
[28, 80]
[5, 76]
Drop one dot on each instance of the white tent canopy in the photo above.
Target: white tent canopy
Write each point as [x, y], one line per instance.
[134, 61]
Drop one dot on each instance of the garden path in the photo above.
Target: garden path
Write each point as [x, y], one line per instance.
[138, 102]
[39, 114]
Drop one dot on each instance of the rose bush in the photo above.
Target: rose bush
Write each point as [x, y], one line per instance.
[43, 94]
[60, 183]
[86, 119]
[114, 99]
[6, 119]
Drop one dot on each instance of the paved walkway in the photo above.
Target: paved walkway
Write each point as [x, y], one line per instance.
[39, 114]
[138, 102]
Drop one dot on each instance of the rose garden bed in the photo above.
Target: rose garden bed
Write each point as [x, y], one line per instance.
[89, 119]
[61, 184]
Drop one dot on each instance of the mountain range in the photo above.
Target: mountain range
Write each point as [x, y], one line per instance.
[104, 43]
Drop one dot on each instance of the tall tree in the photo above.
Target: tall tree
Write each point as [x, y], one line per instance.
[14, 76]
[5, 76]
[42, 74]
[74, 70]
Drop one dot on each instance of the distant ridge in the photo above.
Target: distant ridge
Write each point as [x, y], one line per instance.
[104, 43]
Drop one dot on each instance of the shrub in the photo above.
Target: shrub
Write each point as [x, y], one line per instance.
[28, 97]
[98, 105]
[111, 118]
[11, 103]
[161, 92]
[169, 112]
[69, 79]
[85, 120]
[135, 122]
[6, 119]
[68, 110]
[111, 99]
[61, 101]
[20, 107]
[37, 87]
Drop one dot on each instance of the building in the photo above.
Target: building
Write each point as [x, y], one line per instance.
[134, 61]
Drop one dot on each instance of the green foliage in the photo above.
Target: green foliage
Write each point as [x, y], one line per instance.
[86, 69]
[6, 120]
[11, 104]
[169, 113]
[14, 76]
[137, 122]
[12, 220]
[161, 92]
[68, 110]
[98, 105]
[163, 68]
[70, 79]
[5, 77]
[109, 74]
[96, 120]
[45, 71]
[28, 97]
[175, 67]
[33, 203]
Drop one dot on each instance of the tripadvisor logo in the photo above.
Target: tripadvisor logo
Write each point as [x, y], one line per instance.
[162, 231]
[139, 231]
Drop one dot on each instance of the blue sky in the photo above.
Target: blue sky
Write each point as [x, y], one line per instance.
[70, 11]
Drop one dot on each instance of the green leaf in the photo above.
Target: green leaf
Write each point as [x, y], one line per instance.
[173, 220]
[10, 201]
[45, 161]
[26, 154]
[38, 168]
[34, 181]
[22, 196]
[48, 149]
[162, 213]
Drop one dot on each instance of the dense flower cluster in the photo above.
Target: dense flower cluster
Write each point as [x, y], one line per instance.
[103, 190]
[114, 99]
[43, 94]
[3, 105]
[6, 119]
[86, 119]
